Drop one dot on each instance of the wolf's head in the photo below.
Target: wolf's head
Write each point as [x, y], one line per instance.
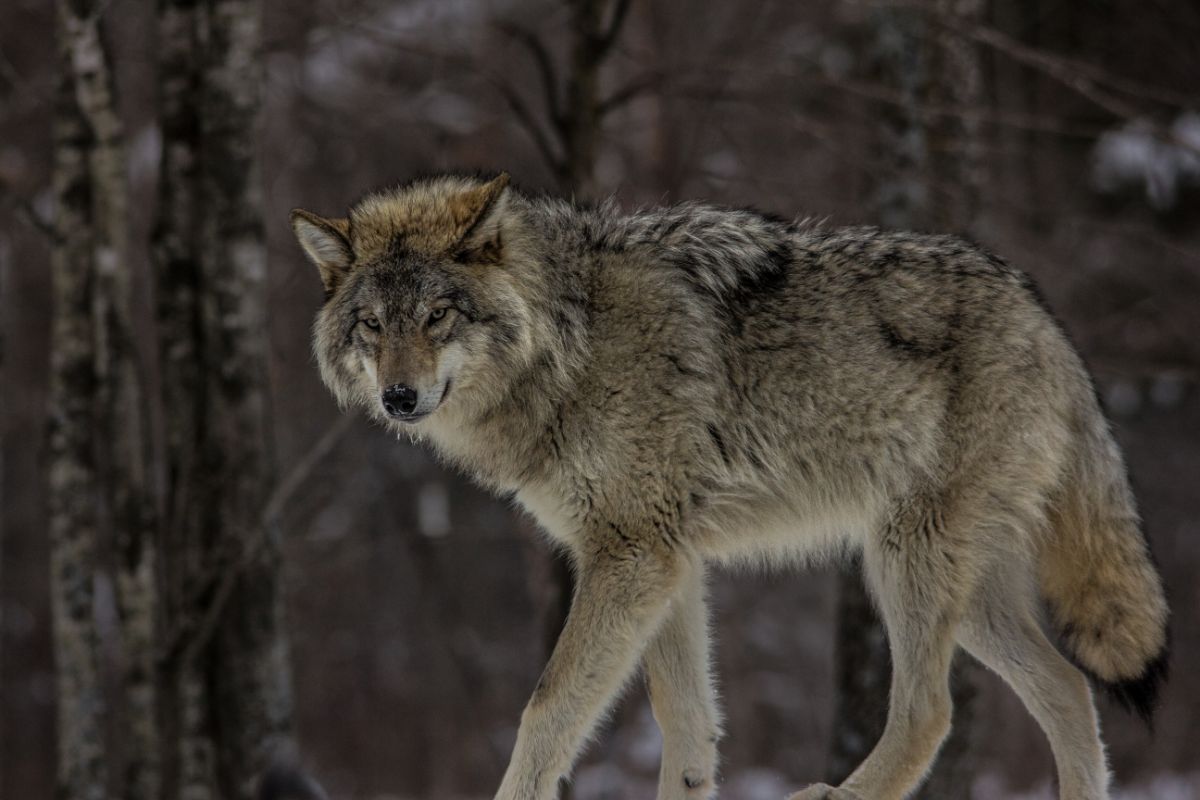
[424, 305]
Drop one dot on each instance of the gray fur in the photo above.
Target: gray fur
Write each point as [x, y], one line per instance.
[676, 387]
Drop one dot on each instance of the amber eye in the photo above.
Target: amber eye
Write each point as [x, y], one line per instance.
[371, 322]
[436, 314]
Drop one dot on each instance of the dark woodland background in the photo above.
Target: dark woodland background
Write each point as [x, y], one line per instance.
[413, 612]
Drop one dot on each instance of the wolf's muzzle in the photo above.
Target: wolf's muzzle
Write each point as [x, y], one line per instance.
[400, 402]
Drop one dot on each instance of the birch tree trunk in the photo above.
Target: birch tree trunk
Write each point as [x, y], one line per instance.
[99, 486]
[225, 668]
[81, 770]
[933, 184]
[121, 433]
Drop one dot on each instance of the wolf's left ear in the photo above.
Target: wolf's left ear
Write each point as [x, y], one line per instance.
[326, 242]
[482, 211]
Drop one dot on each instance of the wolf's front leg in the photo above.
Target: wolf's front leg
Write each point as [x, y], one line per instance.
[620, 600]
[683, 697]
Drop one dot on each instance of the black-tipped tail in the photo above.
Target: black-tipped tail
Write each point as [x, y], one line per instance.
[1140, 695]
[286, 782]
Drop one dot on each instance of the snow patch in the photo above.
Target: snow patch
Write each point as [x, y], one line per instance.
[1141, 157]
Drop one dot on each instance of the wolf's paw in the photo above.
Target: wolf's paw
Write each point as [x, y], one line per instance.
[695, 779]
[686, 784]
[823, 791]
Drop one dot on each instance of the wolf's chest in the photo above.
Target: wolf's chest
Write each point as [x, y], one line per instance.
[555, 514]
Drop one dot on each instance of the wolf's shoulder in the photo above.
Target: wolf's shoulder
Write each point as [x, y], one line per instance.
[743, 255]
[712, 248]
[698, 235]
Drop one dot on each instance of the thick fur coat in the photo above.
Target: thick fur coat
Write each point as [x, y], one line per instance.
[671, 388]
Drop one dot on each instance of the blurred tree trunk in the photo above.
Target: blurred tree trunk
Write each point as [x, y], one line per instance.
[579, 131]
[862, 675]
[101, 509]
[933, 183]
[955, 80]
[224, 678]
[575, 111]
[595, 26]
[74, 496]
[573, 107]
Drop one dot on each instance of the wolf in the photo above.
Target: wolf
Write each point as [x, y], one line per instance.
[682, 387]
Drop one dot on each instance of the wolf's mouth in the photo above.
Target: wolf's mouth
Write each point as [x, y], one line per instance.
[422, 413]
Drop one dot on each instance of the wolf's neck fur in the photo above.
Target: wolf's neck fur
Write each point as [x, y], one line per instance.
[496, 443]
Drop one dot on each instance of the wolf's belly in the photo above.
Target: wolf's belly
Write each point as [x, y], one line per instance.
[737, 524]
[770, 531]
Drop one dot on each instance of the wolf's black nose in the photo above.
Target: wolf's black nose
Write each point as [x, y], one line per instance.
[399, 400]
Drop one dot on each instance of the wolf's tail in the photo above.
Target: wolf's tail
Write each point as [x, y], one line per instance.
[1105, 594]
[285, 781]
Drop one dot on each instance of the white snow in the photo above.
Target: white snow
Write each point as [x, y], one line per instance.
[1140, 156]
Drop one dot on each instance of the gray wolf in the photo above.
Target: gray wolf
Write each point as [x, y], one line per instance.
[688, 386]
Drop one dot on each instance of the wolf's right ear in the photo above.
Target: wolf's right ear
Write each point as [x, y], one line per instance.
[326, 242]
[482, 211]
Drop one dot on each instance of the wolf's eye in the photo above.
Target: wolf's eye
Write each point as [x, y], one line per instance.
[436, 314]
[371, 322]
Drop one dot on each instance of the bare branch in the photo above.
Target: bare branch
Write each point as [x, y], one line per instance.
[997, 117]
[545, 67]
[1061, 68]
[613, 29]
[527, 121]
[701, 90]
[302, 470]
[1079, 77]
[9, 72]
[1067, 71]
[1052, 67]
[190, 639]
[627, 93]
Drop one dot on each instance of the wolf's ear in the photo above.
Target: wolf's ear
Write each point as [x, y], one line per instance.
[326, 242]
[482, 210]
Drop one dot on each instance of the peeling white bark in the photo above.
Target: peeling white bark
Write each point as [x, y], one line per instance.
[100, 500]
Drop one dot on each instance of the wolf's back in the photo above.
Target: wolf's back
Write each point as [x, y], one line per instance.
[1105, 594]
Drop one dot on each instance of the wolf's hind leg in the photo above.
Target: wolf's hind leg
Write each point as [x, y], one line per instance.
[919, 575]
[682, 695]
[1001, 630]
